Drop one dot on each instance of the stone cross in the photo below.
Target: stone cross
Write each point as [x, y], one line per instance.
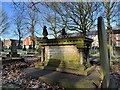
[103, 53]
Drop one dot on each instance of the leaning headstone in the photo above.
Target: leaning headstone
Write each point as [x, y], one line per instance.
[1, 45]
[103, 53]
[13, 49]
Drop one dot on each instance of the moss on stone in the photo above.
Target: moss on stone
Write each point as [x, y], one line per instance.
[64, 41]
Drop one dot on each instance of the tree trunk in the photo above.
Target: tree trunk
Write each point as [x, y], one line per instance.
[19, 43]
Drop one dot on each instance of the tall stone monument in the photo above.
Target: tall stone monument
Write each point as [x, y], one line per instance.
[103, 53]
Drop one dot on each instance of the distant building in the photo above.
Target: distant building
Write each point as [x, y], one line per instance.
[7, 43]
[28, 41]
[116, 38]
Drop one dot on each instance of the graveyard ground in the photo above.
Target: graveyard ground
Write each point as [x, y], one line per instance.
[53, 79]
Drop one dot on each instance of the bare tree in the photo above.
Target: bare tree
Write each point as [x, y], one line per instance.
[31, 17]
[52, 18]
[77, 16]
[4, 24]
[19, 22]
[32, 20]
[110, 14]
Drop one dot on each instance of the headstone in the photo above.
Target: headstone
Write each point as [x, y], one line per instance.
[13, 49]
[1, 45]
[30, 46]
[24, 48]
[103, 53]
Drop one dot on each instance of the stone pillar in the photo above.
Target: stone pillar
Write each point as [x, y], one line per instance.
[103, 53]
[13, 49]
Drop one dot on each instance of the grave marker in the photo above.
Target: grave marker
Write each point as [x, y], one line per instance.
[14, 49]
[103, 53]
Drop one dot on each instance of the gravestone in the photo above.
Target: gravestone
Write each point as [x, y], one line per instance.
[30, 46]
[14, 49]
[103, 53]
[24, 48]
[1, 46]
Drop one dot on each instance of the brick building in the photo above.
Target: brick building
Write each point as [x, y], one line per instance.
[28, 41]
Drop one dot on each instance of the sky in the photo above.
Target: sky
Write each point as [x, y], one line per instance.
[7, 6]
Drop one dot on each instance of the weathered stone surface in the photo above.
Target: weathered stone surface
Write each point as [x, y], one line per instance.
[103, 53]
[63, 56]
[14, 49]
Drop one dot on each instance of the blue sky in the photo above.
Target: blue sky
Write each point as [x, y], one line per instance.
[7, 6]
[8, 9]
